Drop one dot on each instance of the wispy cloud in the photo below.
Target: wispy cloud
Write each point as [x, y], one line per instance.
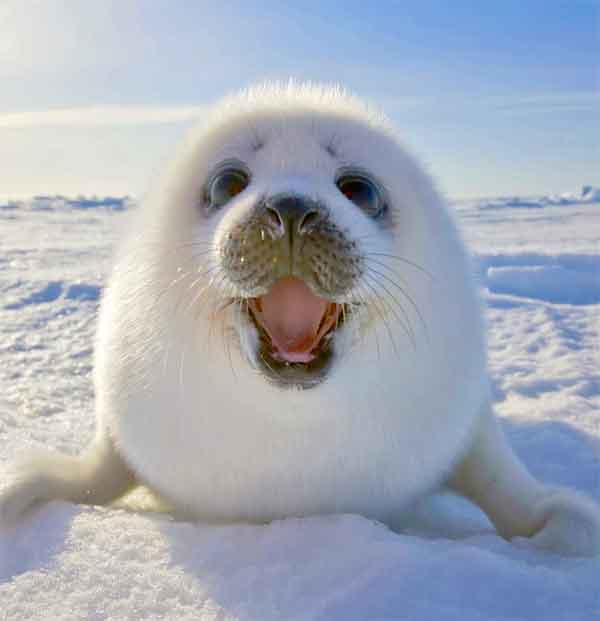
[564, 101]
[549, 102]
[101, 116]
[131, 115]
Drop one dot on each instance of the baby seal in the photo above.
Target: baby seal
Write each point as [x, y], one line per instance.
[292, 328]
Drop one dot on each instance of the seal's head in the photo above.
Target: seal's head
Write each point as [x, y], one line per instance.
[291, 265]
[296, 199]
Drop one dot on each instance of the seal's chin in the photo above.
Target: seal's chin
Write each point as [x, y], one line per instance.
[295, 328]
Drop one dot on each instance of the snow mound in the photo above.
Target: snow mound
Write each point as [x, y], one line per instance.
[45, 293]
[563, 279]
[61, 203]
[590, 194]
[586, 195]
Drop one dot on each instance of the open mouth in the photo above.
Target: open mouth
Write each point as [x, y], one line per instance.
[295, 327]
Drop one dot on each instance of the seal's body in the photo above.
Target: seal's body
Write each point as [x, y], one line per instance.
[292, 328]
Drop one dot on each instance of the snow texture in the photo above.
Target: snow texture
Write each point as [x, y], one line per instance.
[538, 261]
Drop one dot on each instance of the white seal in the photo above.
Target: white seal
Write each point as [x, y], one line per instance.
[292, 328]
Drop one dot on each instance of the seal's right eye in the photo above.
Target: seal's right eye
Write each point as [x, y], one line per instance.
[225, 185]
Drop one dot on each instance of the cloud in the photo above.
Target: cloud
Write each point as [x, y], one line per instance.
[132, 115]
[559, 102]
[572, 101]
[102, 116]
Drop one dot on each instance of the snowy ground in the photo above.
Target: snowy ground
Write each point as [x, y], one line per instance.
[539, 263]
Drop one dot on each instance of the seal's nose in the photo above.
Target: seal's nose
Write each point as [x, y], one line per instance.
[292, 214]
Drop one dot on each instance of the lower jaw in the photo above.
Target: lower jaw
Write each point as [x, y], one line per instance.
[295, 375]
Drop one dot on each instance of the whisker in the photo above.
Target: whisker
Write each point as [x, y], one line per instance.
[181, 371]
[368, 306]
[408, 325]
[213, 314]
[362, 331]
[401, 259]
[383, 318]
[172, 283]
[239, 309]
[404, 293]
[227, 341]
[396, 273]
[165, 357]
[266, 362]
[196, 298]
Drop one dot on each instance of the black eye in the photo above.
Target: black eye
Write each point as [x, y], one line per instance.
[363, 193]
[226, 185]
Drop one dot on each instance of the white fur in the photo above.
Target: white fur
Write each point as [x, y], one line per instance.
[404, 408]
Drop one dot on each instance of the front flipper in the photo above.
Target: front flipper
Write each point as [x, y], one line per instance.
[556, 519]
[98, 476]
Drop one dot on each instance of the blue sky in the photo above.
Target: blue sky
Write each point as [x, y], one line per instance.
[495, 97]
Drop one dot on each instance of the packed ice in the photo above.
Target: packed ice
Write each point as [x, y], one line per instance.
[538, 263]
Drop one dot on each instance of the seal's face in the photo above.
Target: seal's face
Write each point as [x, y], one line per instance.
[290, 217]
[295, 270]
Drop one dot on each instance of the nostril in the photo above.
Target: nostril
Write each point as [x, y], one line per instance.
[274, 217]
[308, 221]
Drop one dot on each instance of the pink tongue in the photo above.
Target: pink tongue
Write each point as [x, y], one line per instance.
[291, 314]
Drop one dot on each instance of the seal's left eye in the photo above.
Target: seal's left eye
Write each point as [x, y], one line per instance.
[226, 185]
[362, 192]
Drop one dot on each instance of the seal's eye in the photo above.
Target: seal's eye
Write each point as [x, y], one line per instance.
[226, 185]
[362, 192]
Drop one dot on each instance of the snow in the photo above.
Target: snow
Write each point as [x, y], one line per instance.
[538, 261]
[57, 202]
[586, 195]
